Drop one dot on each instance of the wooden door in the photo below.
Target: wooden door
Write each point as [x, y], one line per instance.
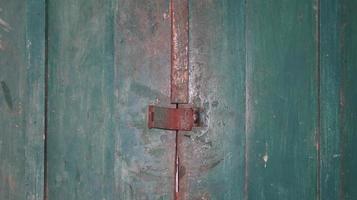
[274, 81]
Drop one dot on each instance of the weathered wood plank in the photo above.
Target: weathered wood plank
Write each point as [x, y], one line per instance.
[145, 157]
[212, 157]
[330, 95]
[81, 137]
[107, 62]
[22, 31]
[282, 108]
[348, 100]
[338, 100]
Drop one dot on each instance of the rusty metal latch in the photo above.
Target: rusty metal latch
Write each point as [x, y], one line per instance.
[179, 119]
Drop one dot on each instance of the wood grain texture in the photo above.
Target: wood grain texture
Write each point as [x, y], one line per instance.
[212, 157]
[144, 167]
[348, 100]
[338, 96]
[108, 60]
[254, 71]
[81, 124]
[282, 109]
[330, 95]
[21, 99]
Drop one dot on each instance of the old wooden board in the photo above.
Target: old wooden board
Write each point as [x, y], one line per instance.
[22, 51]
[282, 99]
[108, 60]
[145, 157]
[81, 140]
[338, 100]
[275, 81]
[330, 95]
[348, 100]
[212, 157]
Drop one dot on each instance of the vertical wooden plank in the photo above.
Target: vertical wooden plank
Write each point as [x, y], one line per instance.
[81, 140]
[21, 99]
[107, 62]
[282, 99]
[338, 97]
[330, 95]
[144, 167]
[348, 100]
[212, 157]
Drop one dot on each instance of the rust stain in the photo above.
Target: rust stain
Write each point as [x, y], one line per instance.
[179, 78]
[179, 52]
[169, 118]
[180, 119]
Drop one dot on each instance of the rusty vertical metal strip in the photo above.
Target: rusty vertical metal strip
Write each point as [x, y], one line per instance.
[179, 52]
[177, 164]
[179, 68]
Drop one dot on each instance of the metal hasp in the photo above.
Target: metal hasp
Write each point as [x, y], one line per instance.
[179, 119]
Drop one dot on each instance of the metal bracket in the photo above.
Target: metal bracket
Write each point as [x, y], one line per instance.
[179, 119]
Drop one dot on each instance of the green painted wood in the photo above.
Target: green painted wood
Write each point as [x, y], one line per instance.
[348, 100]
[330, 95]
[338, 100]
[253, 69]
[212, 157]
[145, 157]
[108, 60]
[282, 99]
[81, 137]
[21, 99]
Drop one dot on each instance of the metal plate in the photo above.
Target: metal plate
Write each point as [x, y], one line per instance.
[181, 119]
[179, 51]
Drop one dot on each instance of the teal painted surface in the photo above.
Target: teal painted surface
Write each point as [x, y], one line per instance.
[338, 100]
[212, 157]
[282, 108]
[330, 95]
[144, 167]
[81, 123]
[254, 70]
[348, 101]
[107, 61]
[21, 99]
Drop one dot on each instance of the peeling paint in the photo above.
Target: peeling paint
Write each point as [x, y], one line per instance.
[266, 156]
